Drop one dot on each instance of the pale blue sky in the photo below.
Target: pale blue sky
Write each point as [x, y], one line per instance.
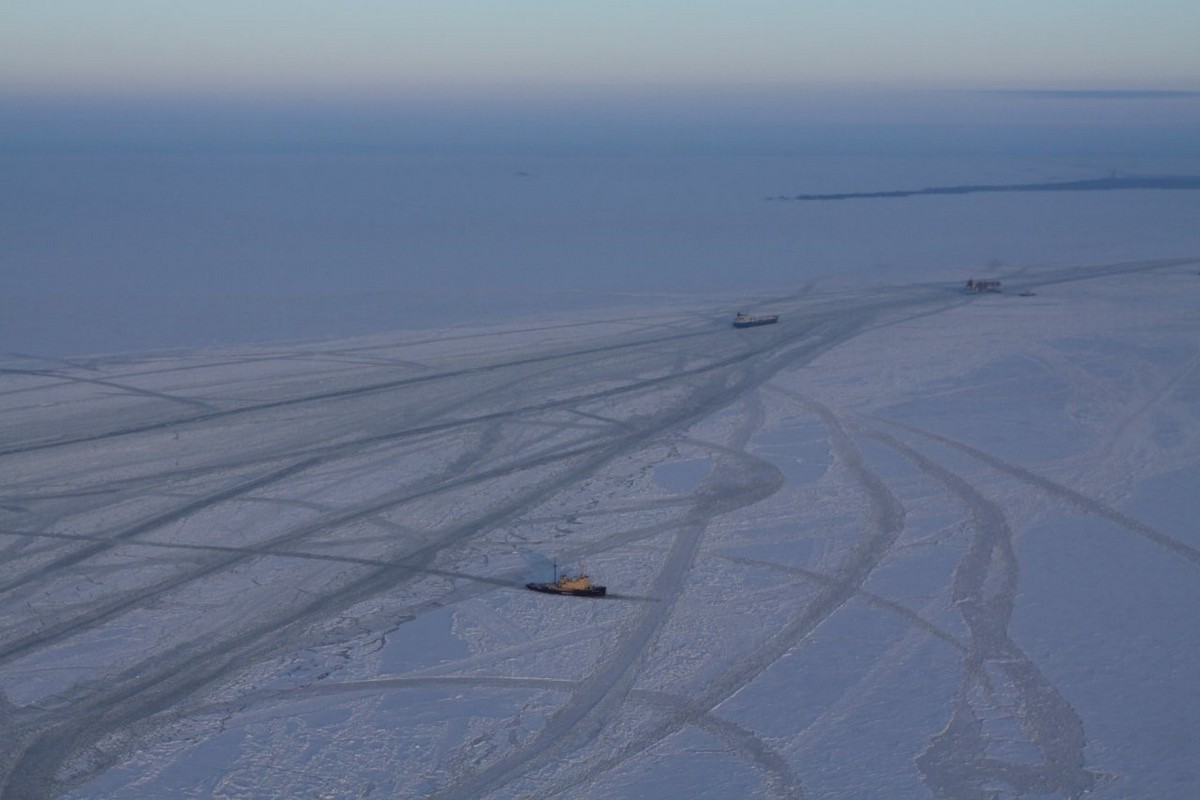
[369, 47]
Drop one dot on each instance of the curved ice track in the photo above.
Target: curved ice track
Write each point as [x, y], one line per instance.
[200, 537]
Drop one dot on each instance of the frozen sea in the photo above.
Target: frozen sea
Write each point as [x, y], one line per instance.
[128, 229]
[284, 434]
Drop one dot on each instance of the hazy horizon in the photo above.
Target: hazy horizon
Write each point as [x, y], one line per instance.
[225, 162]
[144, 225]
[659, 121]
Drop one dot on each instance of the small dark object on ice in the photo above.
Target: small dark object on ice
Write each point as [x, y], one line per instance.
[748, 321]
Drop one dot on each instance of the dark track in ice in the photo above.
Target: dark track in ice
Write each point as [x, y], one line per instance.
[244, 514]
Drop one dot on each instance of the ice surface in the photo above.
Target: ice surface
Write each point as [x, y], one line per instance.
[104, 252]
[907, 542]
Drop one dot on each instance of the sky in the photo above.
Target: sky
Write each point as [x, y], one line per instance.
[371, 48]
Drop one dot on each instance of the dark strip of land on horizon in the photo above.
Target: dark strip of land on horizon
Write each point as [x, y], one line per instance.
[1093, 185]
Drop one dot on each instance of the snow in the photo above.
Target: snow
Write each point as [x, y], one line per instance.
[907, 542]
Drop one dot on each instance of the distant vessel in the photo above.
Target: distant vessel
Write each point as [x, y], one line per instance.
[578, 585]
[749, 321]
[978, 287]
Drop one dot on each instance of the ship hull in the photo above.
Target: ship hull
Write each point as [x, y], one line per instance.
[753, 321]
[550, 588]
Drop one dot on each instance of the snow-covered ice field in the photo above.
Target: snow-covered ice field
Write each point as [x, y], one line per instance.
[907, 543]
